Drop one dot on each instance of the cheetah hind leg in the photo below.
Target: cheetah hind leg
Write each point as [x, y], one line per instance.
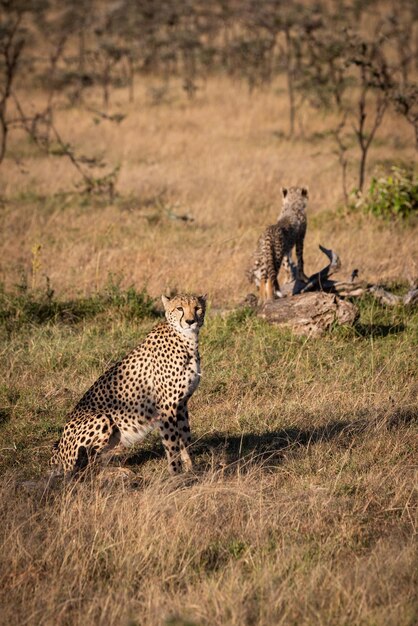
[277, 292]
[266, 290]
[262, 290]
[98, 451]
[269, 289]
[105, 456]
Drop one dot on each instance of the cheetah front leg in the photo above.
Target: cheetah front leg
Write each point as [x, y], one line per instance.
[299, 254]
[170, 437]
[287, 264]
[185, 437]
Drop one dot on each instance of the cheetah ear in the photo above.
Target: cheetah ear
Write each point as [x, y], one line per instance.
[203, 298]
[165, 301]
[284, 192]
[305, 192]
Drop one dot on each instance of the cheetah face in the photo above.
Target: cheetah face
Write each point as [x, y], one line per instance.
[185, 313]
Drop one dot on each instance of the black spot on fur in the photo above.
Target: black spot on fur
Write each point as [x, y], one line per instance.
[82, 459]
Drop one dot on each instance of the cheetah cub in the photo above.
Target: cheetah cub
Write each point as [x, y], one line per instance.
[277, 242]
[149, 388]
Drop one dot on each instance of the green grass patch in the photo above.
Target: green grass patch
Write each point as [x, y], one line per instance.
[303, 458]
[24, 306]
[261, 386]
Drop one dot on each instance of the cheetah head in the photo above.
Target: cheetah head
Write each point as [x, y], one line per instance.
[294, 193]
[185, 312]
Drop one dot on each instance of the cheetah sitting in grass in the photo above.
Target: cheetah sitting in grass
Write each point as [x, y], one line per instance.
[149, 388]
[276, 243]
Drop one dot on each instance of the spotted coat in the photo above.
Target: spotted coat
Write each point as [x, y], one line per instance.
[277, 242]
[149, 388]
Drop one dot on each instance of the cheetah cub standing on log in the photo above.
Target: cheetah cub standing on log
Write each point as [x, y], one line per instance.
[149, 388]
[277, 242]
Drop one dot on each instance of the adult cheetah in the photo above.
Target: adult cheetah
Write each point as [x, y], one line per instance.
[149, 388]
[276, 244]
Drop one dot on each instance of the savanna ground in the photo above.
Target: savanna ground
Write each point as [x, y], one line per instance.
[302, 506]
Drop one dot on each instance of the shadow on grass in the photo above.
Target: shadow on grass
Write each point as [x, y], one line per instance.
[378, 330]
[257, 446]
[272, 445]
[5, 415]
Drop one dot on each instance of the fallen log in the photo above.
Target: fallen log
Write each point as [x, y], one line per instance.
[310, 313]
[312, 308]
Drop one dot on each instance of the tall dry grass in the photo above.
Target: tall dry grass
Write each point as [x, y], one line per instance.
[252, 544]
[302, 508]
[222, 160]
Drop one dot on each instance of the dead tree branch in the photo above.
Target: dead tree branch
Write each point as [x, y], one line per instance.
[312, 308]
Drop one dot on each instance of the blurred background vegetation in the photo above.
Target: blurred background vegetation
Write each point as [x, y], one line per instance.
[356, 59]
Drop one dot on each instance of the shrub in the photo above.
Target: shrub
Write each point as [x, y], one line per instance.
[393, 196]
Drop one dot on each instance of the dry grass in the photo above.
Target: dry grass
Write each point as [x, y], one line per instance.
[302, 508]
[326, 537]
[219, 160]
